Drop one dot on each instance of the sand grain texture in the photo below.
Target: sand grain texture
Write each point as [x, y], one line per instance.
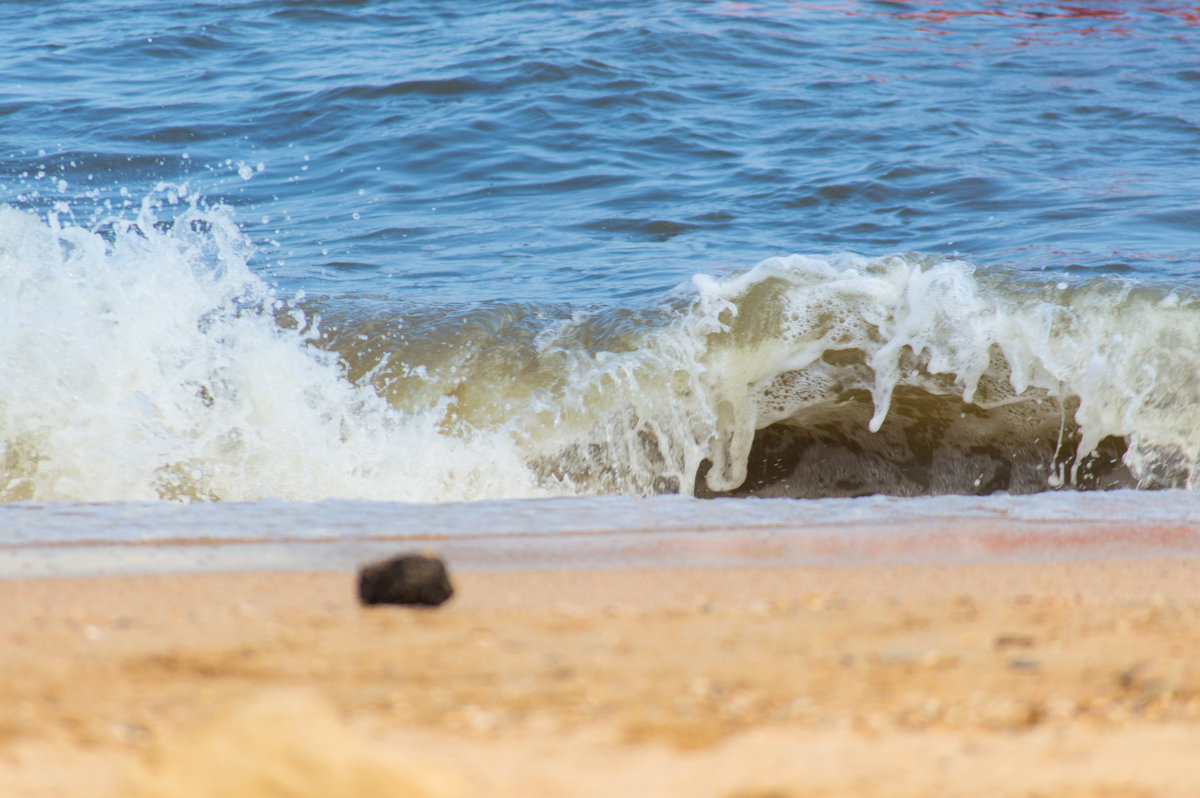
[1069, 679]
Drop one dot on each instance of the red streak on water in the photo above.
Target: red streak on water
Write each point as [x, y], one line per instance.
[1033, 21]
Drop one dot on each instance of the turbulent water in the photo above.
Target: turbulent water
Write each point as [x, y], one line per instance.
[446, 252]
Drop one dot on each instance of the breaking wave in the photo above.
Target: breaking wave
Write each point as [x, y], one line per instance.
[145, 359]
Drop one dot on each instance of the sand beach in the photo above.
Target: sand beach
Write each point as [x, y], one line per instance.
[803, 397]
[1072, 678]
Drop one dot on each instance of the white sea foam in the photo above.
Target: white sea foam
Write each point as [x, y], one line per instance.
[1126, 359]
[150, 365]
[151, 362]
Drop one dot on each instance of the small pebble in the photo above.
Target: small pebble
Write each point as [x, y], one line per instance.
[418, 579]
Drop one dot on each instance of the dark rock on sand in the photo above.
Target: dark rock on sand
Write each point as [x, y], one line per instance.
[408, 579]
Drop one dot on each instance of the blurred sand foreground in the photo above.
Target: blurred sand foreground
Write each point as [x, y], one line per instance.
[1068, 679]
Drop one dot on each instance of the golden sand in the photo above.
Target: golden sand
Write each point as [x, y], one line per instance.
[1067, 679]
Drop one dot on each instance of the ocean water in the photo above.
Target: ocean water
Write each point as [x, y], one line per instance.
[440, 253]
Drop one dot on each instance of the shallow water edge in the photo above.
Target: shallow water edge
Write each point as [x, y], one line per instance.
[63, 539]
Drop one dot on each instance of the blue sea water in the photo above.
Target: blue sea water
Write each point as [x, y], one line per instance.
[587, 153]
[441, 251]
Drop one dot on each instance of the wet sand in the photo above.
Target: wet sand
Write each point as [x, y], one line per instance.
[1043, 679]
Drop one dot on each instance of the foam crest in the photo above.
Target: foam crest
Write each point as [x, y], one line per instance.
[802, 333]
[148, 363]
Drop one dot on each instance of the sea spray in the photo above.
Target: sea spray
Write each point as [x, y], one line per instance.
[148, 363]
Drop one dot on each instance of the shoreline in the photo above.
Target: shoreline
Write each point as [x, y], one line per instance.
[1000, 678]
[588, 533]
